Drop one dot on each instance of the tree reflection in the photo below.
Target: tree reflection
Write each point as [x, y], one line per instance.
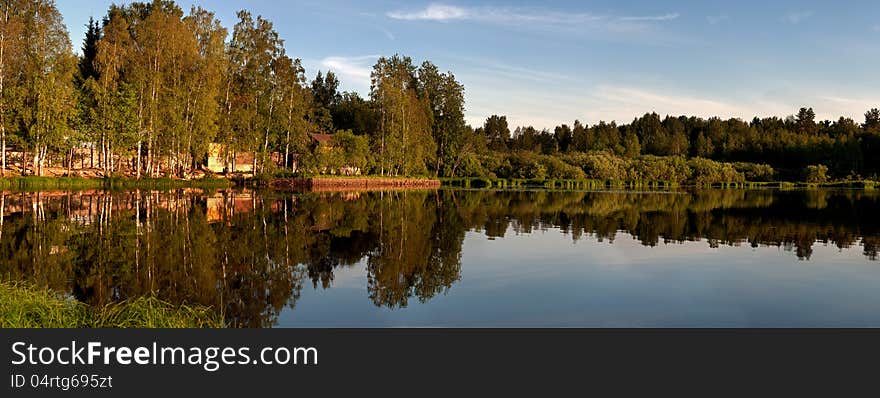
[249, 254]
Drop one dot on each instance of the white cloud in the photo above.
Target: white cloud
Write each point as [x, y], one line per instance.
[797, 17]
[351, 70]
[434, 12]
[445, 13]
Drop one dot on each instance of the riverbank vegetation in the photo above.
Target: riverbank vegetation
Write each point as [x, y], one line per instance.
[26, 306]
[155, 88]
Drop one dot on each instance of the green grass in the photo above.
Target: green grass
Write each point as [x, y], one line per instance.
[25, 306]
[32, 183]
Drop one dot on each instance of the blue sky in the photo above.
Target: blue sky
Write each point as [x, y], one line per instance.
[543, 63]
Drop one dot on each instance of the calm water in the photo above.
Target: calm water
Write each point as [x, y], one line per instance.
[461, 258]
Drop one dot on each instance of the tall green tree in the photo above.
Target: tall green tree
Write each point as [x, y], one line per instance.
[325, 96]
[497, 132]
[294, 107]
[48, 67]
[12, 18]
[404, 139]
[253, 90]
[445, 98]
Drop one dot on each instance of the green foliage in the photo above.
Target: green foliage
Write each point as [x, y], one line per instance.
[601, 165]
[404, 142]
[707, 172]
[755, 172]
[816, 174]
[347, 153]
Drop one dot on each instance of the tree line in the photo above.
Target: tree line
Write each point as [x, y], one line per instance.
[764, 149]
[154, 86]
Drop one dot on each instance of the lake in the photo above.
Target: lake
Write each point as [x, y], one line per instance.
[468, 258]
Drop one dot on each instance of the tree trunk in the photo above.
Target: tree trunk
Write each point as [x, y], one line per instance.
[24, 155]
[287, 152]
[3, 147]
[138, 156]
[150, 157]
[2, 103]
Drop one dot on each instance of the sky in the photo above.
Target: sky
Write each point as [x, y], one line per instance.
[544, 63]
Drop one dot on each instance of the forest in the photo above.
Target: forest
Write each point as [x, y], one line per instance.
[153, 87]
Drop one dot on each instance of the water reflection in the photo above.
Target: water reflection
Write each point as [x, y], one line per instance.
[251, 253]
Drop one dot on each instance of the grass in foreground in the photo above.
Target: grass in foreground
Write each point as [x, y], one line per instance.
[24, 306]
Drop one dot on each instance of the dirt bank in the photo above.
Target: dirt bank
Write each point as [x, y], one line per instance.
[353, 184]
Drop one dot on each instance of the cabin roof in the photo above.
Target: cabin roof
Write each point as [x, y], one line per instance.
[322, 138]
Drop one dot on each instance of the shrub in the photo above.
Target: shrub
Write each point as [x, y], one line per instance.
[755, 172]
[816, 174]
[707, 172]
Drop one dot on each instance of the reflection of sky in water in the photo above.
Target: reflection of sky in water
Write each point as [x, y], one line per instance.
[545, 279]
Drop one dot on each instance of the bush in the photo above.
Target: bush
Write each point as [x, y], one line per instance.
[601, 165]
[707, 172]
[816, 174]
[755, 172]
[657, 168]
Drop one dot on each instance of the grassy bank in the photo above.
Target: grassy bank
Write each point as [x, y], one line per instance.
[32, 183]
[24, 306]
[501, 183]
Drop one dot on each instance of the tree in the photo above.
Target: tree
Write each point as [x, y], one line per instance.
[872, 121]
[203, 84]
[563, 136]
[12, 17]
[47, 97]
[356, 114]
[816, 174]
[445, 98]
[253, 87]
[805, 122]
[325, 96]
[404, 141]
[294, 106]
[497, 132]
[113, 57]
[579, 138]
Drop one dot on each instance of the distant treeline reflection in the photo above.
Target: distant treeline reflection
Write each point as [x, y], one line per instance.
[248, 254]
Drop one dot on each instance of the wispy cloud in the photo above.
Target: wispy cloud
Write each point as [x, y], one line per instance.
[446, 13]
[387, 33]
[354, 70]
[623, 101]
[649, 18]
[716, 19]
[797, 17]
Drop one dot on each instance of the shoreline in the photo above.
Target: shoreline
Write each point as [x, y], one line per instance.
[374, 183]
[368, 183]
